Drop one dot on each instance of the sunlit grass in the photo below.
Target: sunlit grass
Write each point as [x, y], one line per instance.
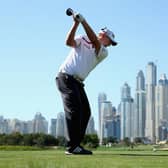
[101, 158]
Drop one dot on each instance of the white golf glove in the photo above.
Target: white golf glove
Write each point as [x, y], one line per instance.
[79, 17]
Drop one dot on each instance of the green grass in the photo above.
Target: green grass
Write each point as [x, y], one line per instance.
[19, 148]
[102, 158]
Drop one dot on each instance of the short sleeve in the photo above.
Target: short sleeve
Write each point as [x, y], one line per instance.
[78, 40]
[102, 52]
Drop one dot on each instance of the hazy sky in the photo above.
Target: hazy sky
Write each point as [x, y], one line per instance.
[32, 47]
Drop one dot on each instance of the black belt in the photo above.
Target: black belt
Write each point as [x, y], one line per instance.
[72, 76]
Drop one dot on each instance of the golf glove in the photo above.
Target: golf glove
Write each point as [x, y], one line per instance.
[79, 17]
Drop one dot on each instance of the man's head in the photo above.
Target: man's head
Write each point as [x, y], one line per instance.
[106, 37]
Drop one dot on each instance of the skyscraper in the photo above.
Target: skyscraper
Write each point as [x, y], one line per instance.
[106, 116]
[53, 126]
[140, 106]
[3, 125]
[161, 105]
[40, 124]
[60, 125]
[101, 98]
[127, 109]
[91, 126]
[151, 78]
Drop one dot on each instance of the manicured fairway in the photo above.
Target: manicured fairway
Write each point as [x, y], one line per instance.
[100, 159]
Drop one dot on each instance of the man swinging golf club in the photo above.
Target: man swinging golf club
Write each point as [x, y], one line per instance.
[87, 52]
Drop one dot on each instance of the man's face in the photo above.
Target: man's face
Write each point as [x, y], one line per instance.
[104, 39]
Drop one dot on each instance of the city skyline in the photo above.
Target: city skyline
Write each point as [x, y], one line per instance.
[143, 115]
[40, 125]
[141, 85]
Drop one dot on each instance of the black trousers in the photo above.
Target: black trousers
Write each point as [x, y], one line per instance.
[76, 107]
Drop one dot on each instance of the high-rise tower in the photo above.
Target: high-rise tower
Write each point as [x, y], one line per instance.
[40, 124]
[53, 126]
[140, 106]
[127, 109]
[60, 125]
[161, 105]
[101, 98]
[151, 78]
[106, 115]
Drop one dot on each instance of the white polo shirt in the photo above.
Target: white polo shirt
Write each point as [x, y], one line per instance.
[82, 59]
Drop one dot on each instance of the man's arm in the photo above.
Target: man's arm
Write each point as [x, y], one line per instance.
[70, 41]
[91, 35]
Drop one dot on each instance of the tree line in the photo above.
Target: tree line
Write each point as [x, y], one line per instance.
[41, 140]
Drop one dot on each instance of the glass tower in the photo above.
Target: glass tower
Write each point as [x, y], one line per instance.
[60, 125]
[127, 108]
[101, 98]
[151, 75]
[106, 115]
[140, 106]
[161, 105]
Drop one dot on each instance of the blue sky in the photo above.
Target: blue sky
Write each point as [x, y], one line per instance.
[32, 47]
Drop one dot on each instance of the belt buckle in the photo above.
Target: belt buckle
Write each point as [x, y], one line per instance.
[77, 78]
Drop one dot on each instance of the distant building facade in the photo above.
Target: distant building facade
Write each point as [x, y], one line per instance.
[53, 127]
[60, 125]
[127, 112]
[140, 106]
[161, 109]
[91, 126]
[40, 124]
[151, 78]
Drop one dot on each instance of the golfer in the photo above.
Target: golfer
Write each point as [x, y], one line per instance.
[87, 52]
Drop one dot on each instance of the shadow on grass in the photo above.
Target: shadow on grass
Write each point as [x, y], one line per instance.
[129, 154]
[132, 154]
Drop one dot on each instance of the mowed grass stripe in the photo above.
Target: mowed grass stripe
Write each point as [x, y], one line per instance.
[100, 159]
